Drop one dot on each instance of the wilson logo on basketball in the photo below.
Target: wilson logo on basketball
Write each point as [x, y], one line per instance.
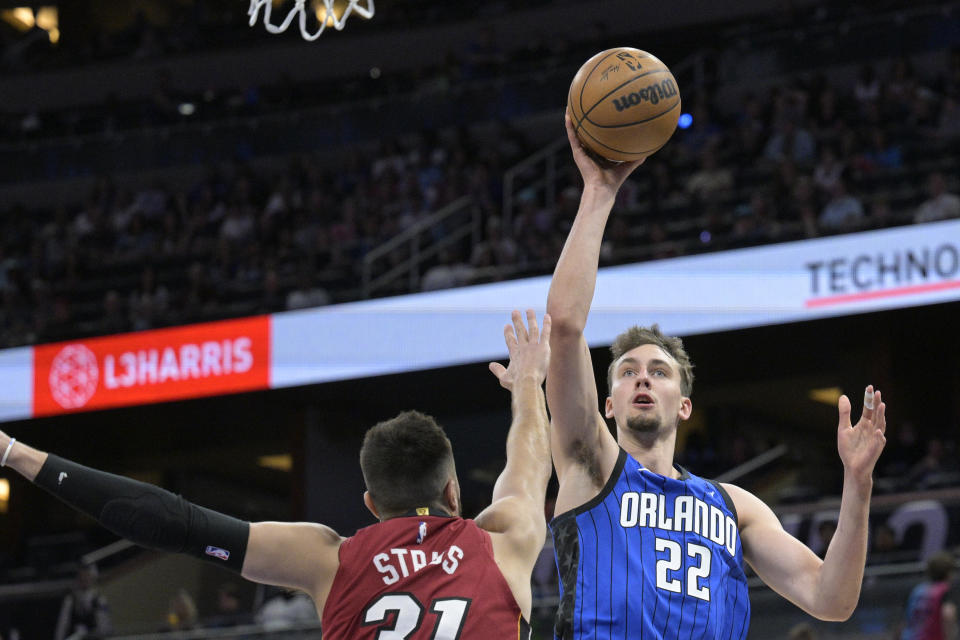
[153, 366]
[653, 94]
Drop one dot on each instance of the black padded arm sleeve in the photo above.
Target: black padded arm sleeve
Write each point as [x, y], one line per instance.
[147, 515]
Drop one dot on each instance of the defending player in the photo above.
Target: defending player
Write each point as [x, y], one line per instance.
[422, 573]
[644, 548]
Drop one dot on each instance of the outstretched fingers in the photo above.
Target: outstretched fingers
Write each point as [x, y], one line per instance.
[528, 346]
[522, 335]
[510, 337]
[532, 328]
[881, 418]
[870, 403]
[843, 406]
[547, 325]
[497, 369]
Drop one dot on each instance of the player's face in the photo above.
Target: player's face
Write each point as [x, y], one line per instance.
[646, 396]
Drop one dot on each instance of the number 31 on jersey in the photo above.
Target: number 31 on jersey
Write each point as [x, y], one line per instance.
[408, 616]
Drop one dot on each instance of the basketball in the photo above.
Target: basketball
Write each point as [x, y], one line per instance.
[624, 104]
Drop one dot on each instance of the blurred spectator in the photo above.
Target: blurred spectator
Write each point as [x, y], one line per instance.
[450, 271]
[884, 547]
[826, 118]
[750, 128]
[784, 181]
[922, 118]
[881, 153]
[711, 180]
[949, 124]
[229, 612]
[662, 246]
[271, 298]
[940, 205]
[665, 193]
[148, 304]
[754, 221]
[880, 214]
[496, 248]
[905, 452]
[867, 88]
[842, 211]
[791, 142]
[286, 608]
[931, 611]
[151, 202]
[238, 224]
[182, 612]
[802, 631]
[829, 170]
[931, 465]
[704, 130]
[199, 294]
[84, 612]
[804, 207]
[901, 86]
[307, 293]
[113, 319]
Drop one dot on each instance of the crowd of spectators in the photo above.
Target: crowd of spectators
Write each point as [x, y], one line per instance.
[86, 611]
[236, 243]
[802, 159]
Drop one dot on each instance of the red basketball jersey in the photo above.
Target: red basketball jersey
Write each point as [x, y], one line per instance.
[421, 578]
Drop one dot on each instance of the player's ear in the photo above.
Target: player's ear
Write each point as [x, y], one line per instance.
[608, 407]
[451, 496]
[686, 408]
[367, 500]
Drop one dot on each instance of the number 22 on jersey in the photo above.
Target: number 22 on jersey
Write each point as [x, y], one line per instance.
[674, 561]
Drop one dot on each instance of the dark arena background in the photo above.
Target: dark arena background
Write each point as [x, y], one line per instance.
[224, 254]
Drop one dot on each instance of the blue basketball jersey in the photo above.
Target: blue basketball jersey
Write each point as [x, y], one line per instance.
[651, 558]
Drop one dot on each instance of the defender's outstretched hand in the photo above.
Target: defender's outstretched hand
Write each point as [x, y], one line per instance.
[529, 350]
[860, 444]
[598, 174]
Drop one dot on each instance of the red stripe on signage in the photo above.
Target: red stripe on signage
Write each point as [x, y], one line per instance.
[883, 293]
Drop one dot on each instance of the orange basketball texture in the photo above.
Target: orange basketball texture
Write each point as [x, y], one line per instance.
[624, 104]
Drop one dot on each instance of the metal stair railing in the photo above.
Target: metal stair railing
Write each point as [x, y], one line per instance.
[526, 175]
[463, 212]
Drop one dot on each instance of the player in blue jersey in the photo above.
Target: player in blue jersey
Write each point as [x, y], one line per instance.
[644, 548]
[932, 605]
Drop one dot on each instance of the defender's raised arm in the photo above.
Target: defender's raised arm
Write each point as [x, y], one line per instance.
[515, 517]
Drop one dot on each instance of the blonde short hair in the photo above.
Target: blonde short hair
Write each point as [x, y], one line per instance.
[637, 337]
